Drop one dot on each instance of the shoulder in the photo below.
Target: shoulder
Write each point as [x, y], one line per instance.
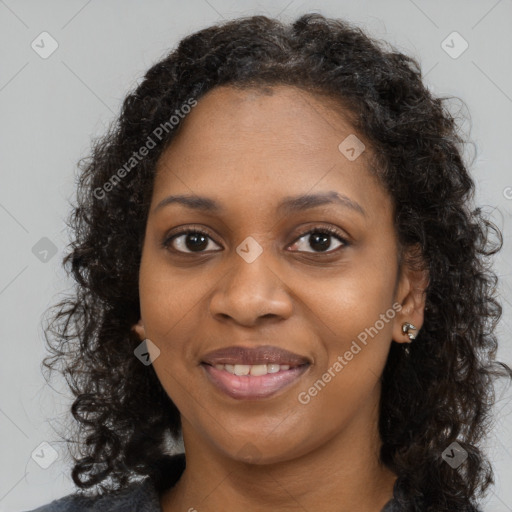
[138, 496]
[393, 506]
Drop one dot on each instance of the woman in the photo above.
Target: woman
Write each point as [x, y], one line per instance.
[277, 258]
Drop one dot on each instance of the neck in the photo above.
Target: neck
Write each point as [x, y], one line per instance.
[343, 474]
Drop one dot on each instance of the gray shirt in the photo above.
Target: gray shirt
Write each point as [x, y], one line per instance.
[141, 496]
[138, 497]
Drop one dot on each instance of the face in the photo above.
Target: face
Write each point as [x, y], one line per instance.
[319, 278]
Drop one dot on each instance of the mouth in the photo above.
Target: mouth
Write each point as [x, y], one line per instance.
[254, 369]
[253, 373]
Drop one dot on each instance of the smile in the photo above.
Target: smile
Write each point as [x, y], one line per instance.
[257, 381]
[252, 369]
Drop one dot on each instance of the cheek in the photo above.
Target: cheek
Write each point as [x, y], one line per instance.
[167, 296]
[357, 308]
[169, 308]
[355, 327]
[345, 383]
[358, 294]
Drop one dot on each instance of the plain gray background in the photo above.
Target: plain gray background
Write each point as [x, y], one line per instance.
[51, 107]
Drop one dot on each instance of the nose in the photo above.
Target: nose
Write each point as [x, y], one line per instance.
[251, 292]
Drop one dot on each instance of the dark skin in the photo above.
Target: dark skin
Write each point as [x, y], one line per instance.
[248, 150]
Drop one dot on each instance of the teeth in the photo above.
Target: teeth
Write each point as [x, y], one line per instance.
[242, 369]
[229, 368]
[259, 369]
[252, 369]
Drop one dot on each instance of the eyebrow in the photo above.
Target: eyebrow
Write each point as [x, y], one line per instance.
[290, 204]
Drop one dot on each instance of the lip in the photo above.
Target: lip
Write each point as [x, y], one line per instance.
[264, 354]
[250, 387]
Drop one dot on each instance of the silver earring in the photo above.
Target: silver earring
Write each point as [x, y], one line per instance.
[406, 327]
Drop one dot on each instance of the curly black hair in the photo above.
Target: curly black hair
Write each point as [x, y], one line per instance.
[438, 392]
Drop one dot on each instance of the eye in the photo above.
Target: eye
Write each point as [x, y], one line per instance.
[189, 241]
[320, 240]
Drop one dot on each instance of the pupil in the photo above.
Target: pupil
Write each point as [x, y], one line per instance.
[320, 241]
[196, 241]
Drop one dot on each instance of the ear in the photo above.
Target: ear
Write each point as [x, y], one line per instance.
[411, 294]
[140, 330]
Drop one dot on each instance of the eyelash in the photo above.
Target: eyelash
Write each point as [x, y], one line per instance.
[329, 230]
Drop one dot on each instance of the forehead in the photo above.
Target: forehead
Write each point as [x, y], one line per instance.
[268, 142]
[277, 113]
